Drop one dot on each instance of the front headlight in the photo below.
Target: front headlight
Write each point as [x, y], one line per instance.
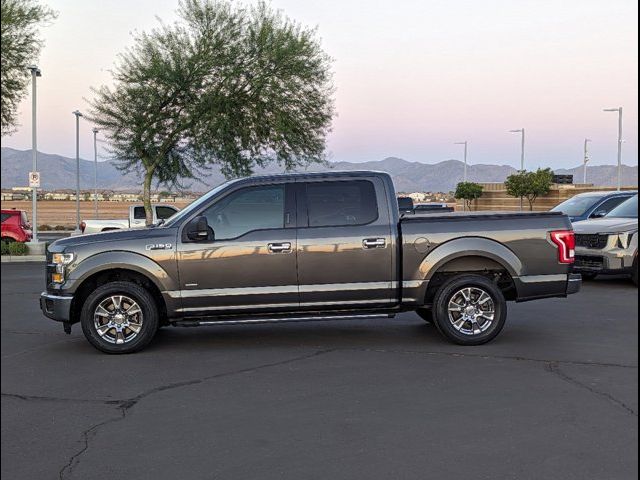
[63, 258]
[60, 260]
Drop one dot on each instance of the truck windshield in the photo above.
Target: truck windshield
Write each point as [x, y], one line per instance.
[576, 206]
[627, 209]
[197, 203]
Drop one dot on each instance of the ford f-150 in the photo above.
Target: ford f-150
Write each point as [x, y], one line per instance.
[302, 247]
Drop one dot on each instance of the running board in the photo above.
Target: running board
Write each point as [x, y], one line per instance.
[290, 319]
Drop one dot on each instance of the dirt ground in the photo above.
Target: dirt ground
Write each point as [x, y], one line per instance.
[63, 212]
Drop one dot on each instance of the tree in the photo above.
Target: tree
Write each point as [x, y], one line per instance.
[19, 47]
[529, 185]
[468, 191]
[227, 85]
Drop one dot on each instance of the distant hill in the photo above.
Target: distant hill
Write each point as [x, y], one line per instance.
[59, 172]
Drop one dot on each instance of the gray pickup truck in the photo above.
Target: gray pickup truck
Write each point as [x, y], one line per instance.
[305, 247]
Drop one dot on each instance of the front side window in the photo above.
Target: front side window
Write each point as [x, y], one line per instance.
[246, 210]
[609, 205]
[5, 217]
[341, 203]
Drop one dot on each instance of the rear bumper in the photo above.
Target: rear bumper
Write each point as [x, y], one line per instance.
[534, 287]
[56, 307]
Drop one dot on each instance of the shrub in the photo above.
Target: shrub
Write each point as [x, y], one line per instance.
[14, 248]
[60, 227]
[44, 228]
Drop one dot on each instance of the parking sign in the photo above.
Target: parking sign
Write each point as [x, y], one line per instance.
[34, 179]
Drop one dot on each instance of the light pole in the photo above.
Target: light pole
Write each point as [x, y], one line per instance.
[465, 143]
[619, 110]
[95, 171]
[78, 115]
[520, 130]
[586, 160]
[35, 72]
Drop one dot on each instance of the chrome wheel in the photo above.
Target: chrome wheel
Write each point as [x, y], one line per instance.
[118, 319]
[471, 310]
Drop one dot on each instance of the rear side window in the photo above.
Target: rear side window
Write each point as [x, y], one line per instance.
[341, 203]
[164, 212]
[5, 217]
[138, 213]
[610, 204]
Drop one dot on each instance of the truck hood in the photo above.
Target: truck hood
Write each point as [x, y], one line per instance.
[112, 236]
[606, 225]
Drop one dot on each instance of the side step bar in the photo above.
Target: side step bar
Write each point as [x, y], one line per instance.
[289, 319]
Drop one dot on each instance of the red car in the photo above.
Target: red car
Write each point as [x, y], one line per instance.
[15, 227]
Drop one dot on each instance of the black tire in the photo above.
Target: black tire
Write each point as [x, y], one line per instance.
[587, 276]
[425, 314]
[8, 239]
[449, 290]
[148, 307]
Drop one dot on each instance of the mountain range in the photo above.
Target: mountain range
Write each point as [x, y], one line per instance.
[58, 172]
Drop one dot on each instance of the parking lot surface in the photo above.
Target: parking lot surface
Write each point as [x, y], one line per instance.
[554, 397]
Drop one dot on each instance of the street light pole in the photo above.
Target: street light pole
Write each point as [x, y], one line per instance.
[619, 110]
[465, 143]
[35, 72]
[95, 172]
[586, 160]
[78, 115]
[520, 130]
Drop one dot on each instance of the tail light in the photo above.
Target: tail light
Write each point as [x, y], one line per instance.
[82, 226]
[565, 240]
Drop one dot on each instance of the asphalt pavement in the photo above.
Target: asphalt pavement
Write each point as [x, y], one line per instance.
[555, 396]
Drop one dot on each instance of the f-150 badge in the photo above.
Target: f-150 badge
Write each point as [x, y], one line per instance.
[159, 246]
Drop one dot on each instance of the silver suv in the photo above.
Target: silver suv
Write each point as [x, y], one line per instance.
[609, 245]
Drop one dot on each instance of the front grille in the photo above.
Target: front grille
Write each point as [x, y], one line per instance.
[594, 241]
[591, 263]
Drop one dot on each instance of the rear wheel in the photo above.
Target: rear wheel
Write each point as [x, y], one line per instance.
[469, 310]
[119, 317]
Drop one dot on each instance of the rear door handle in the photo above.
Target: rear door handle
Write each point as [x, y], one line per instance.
[374, 243]
[279, 247]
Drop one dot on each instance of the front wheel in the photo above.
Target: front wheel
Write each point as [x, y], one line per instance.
[469, 310]
[119, 317]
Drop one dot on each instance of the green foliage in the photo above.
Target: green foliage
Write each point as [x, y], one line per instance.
[530, 185]
[14, 248]
[468, 191]
[228, 85]
[19, 47]
[44, 228]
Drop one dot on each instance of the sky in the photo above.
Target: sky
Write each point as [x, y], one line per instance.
[412, 76]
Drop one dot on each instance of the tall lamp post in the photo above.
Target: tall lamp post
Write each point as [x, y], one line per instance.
[78, 115]
[619, 110]
[586, 159]
[520, 130]
[465, 143]
[95, 171]
[35, 73]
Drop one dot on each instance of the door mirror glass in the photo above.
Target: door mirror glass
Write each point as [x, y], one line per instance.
[599, 214]
[198, 230]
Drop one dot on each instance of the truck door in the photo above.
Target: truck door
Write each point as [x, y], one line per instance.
[251, 263]
[345, 244]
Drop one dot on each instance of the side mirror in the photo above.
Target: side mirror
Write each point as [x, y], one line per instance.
[599, 214]
[198, 230]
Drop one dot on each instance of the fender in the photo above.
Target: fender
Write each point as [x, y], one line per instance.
[470, 247]
[119, 259]
[414, 290]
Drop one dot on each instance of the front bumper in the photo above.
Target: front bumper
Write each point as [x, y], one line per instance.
[56, 307]
[613, 261]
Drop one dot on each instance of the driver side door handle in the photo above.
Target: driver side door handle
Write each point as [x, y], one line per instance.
[374, 243]
[279, 247]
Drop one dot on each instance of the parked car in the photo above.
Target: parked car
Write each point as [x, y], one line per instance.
[137, 219]
[609, 245]
[15, 226]
[304, 247]
[592, 204]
